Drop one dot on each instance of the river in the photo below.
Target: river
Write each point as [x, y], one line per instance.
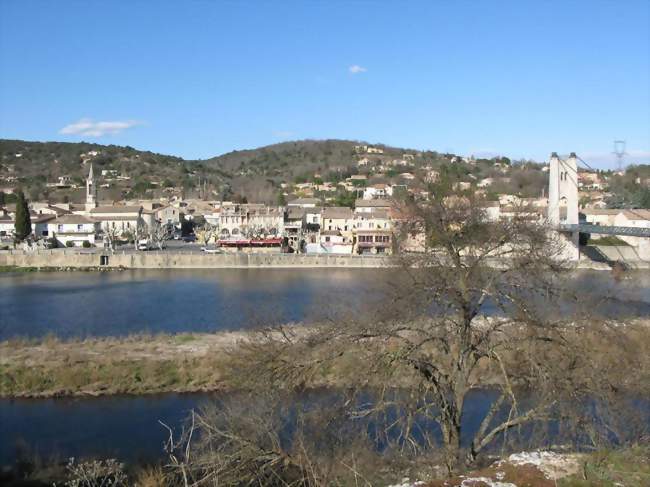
[78, 304]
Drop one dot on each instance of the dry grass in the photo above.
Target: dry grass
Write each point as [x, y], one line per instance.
[150, 477]
[134, 364]
[190, 362]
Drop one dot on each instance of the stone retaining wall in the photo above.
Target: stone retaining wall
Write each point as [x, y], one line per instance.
[182, 260]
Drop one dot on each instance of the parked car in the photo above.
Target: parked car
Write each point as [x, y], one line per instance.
[189, 238]
[143, 244]
[212, 250]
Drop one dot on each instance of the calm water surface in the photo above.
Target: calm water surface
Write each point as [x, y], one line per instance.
[77, 304]
[81, 304]
[116, 303]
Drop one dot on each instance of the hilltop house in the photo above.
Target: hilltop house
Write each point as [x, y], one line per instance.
[377, 191]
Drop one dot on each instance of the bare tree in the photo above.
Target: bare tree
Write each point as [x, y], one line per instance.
[158, 234]
[207, 233]
[268, 439]
[482, 306]
[112, 236]
[254, 231]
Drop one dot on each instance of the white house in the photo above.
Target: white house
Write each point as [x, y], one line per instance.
[331, 242]
[485, 182]
[632, 218]
[6, 225]
[600, 216]
[72, 230]
[123, 218]
[39, 224]
[377, 191]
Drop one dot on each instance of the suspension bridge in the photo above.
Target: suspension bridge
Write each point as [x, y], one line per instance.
[563, 193]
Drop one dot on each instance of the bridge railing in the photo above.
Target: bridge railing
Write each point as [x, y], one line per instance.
[606, 229]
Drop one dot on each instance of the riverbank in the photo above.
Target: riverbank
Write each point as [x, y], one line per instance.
[137, 364]
[74, 259]
[164, 363]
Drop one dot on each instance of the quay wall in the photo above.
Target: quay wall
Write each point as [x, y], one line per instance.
[183, 260]
[93, 259]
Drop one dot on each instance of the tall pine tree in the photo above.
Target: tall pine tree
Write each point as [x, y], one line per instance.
[23, 225]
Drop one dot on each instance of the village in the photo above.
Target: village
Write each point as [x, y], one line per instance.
[307, 223]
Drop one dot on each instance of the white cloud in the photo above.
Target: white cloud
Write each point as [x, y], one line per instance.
[356, 69]
[90, 128]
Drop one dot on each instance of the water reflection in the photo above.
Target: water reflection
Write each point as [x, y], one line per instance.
[117, 303]
[127, 428]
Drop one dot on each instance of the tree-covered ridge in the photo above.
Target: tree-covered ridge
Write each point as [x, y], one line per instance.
[274, 174]
[32, 165]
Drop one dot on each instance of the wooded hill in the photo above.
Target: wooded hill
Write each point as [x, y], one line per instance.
[256, 174]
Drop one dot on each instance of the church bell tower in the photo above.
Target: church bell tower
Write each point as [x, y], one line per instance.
[91, 190]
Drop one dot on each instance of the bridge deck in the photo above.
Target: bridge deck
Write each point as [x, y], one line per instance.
[606, 230]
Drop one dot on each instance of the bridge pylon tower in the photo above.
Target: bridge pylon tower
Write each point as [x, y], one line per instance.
[563, 189]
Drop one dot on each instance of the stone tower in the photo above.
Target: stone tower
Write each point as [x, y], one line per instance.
[91, 190]
[563, 189]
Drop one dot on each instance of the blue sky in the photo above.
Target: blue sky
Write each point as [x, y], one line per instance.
[200, 78]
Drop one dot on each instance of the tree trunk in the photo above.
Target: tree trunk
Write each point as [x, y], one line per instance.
[451, 439]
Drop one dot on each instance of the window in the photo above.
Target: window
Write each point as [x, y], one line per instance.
[382, 238]
[80, 227]
[327, 239]
[59, 228]
[44, 233]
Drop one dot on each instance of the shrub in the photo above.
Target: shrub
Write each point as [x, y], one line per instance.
[69, 243]
[86, 244]
[96, 473]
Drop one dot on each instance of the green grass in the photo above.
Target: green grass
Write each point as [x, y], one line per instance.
[184, 338]
[610, 468]
[610, 240]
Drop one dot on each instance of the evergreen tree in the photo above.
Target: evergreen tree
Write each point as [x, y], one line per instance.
[23, 225]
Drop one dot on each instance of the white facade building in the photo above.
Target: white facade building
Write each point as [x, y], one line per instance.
[72, 230]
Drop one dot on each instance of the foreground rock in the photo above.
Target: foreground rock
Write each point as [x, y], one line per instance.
[525, 469]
